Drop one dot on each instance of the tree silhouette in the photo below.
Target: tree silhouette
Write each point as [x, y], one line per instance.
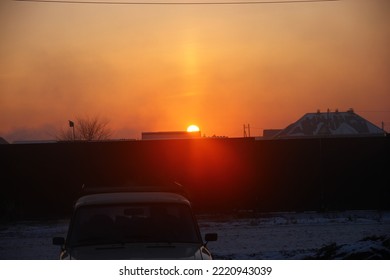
[86, 129]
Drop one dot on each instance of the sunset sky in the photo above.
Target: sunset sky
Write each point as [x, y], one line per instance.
[164, 67]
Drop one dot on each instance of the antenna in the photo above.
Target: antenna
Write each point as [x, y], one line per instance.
[247, 134]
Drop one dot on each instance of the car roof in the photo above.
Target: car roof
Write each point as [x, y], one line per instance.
[130, 197]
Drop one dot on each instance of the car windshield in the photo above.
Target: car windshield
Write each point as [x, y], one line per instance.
[135, 223]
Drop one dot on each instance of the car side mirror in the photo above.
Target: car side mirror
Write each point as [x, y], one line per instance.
[211, 237]
[58, 241]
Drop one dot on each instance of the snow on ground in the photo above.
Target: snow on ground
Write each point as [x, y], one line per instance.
[275, 236]
[279, 236]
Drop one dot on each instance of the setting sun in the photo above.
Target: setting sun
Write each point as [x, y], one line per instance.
[192, 128]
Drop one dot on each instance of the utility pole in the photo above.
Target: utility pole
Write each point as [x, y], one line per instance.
[247, 134]
[71, 125]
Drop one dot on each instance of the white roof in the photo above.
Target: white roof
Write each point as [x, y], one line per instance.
[131, 197]
[330, 124]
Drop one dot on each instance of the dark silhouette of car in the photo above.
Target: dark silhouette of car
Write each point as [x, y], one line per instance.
[128, 224]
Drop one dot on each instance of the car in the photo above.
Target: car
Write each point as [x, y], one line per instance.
[134, 224]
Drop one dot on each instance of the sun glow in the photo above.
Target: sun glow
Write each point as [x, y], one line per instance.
[193, 128]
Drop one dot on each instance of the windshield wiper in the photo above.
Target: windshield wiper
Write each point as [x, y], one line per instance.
[98, 242]
[161, 246]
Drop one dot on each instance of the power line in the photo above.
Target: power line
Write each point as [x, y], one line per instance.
[177, 3]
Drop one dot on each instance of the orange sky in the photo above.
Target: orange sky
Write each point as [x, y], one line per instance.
[159, 68]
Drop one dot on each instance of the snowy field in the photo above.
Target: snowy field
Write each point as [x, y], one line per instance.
[273, 236]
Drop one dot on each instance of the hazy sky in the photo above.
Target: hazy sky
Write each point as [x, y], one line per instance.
[164, 67]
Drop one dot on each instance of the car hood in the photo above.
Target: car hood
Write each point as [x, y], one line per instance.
[139, 251]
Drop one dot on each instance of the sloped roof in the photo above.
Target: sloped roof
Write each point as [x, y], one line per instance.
[3, 141]
[331, 124]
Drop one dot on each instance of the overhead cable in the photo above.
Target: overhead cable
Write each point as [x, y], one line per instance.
[176, 3]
